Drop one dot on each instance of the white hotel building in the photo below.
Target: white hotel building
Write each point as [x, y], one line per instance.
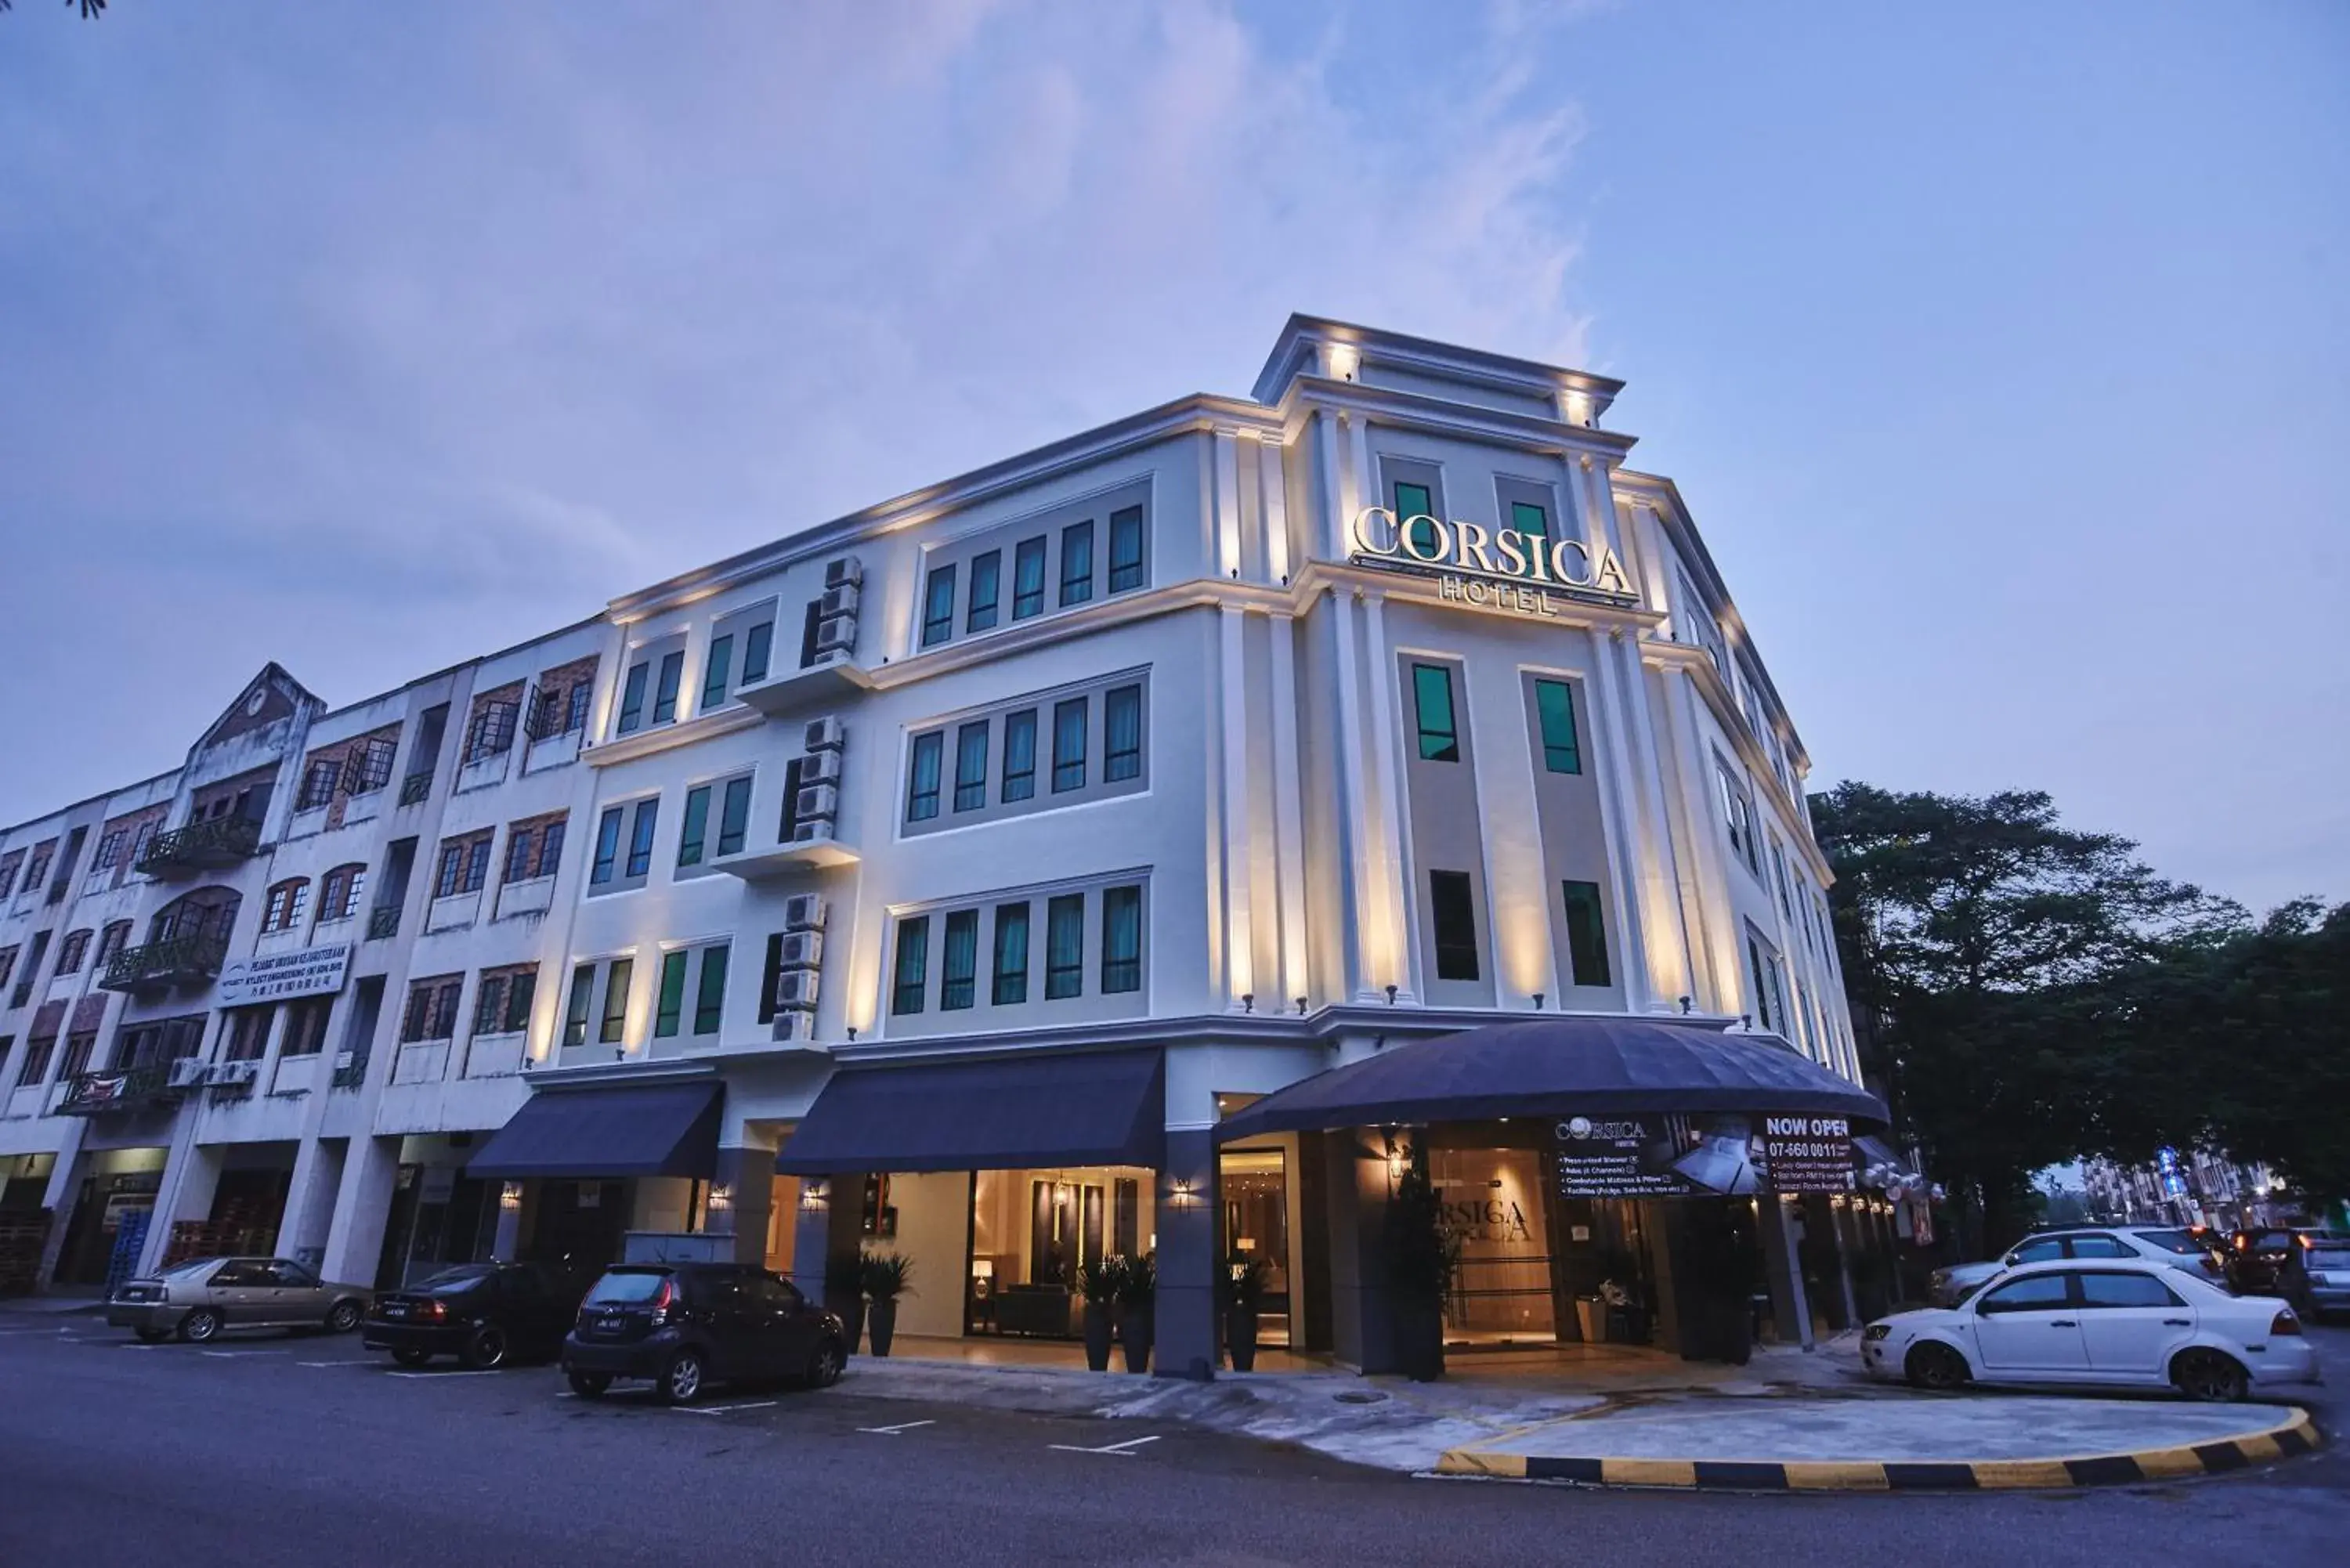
[982, 853]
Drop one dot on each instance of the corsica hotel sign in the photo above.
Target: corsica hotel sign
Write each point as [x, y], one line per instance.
[1436, 548]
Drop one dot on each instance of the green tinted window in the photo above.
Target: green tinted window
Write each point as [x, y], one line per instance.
[671, 1005]
[1431, 693]
[1555, 702]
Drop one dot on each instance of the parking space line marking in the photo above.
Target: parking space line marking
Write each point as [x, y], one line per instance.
[225, 1355]
[485, 1371]
[1124, 1450]
[893, 1431]
[720, 1409]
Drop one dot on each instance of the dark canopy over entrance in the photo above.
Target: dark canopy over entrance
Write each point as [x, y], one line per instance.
[1558, 1066]
[1020, 1113]
[637, 1129]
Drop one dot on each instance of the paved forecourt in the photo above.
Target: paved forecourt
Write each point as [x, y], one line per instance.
[1964, 1443]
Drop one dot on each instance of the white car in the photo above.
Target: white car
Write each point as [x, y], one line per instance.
[2177, 1248]
[2119, 1322]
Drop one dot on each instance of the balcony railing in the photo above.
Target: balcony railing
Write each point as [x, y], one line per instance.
[383, 921]
[174, 961]
[414, 788]
[118, 1092]
[351, 1073]
[206, 845]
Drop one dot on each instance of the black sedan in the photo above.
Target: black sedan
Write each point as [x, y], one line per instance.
[485, 1314]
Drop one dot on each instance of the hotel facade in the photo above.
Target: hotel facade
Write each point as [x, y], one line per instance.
[970, 877]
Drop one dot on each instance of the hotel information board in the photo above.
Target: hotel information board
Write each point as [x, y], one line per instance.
[1650, 1154]
[1809, 1154]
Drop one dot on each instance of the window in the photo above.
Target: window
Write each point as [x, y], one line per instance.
[1555, 705]
[632, 700]
[575, 1009]
[733, 815]
[1027, 578]
[641, 837]
[367, 767]
[1770, 985]
[318, 782]
[1432, 702]
[669, 1007]
[111, 938]
[2120, 1290]
[1121, 962]
[491, 731]
[1413, 501]
[2036, 1293]
[959, 967]
[697, 824]
[608, 846]
[710, 989]
[1068, 745]
[617, 982]
[70, 954]
[248, 1034]
[37, 1050]
[758, 650]
[2047, 1249]
[716, 671]
[938, 605]
[1064, 947]
[1738, 819]
[1019, 755]
[1529, 518]
[1587, 935]
[970, 767]
[8, 964]
[1011, 983]
[1455, 910]
[811, 626]
[2100, 1247]
[110, 850]
[770, 973]
[306, 1024]
[283, 909]
[575, 708]
[1076, 564]
[1126, 549]
[913, 964]
[339, 893]
[986, 570]
[8, 872]
[922, 778]
[464, 866]
[503, 1005]
[789, 823]
[431, 1011]
[1122, 733]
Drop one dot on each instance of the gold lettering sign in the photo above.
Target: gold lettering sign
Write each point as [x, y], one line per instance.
[1422, 543]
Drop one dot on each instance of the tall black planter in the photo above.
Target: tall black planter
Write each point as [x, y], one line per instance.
[1240, 1337]
[1098, 1336]
[1134, 1334]
[882, 1317]
[1418, 1338]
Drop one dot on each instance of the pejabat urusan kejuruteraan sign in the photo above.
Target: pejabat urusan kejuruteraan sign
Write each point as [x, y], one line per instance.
[1464, 557]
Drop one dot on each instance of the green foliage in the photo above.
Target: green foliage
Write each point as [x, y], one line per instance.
[1245, 1279]
[886, 1276]
[1422, 1253]
[1103, 1281]
[1139, 1286]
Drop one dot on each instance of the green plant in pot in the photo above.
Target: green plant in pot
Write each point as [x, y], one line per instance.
[1422, 1254]
[1137, 1299]
[844, 1292]
[1243, 1282]
[1101, 1283]
[886, 1276]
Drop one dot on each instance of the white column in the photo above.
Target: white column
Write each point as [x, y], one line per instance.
[1227, 504]
[1366, 483]
[1619, 822]
[1288, 810]
[1395, 867]
[1673, 970]
[1331, 527]
[1356, 836]
[1240, 948]
[1706, 891]
[1272, 507]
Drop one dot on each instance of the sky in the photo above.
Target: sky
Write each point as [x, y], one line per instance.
[2001, 351]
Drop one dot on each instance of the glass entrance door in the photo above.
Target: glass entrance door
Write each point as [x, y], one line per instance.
[1494, 1203]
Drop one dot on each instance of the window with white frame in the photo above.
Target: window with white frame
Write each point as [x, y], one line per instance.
[690, 997]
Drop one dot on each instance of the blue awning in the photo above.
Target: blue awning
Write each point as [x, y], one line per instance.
[630, 1129]
[1562, 1067]
[1010, 1113]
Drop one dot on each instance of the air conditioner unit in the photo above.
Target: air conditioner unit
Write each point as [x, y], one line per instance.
[817, 831]
[792, 1025]
[795, 989]
[231, 1073]
[819, 768]
[804, 912]
[836, 635]
[344, 1059]
[800, 949]
[188, 1072]
[841, 600]
[816, 803]
[846, 572]
[823, 734]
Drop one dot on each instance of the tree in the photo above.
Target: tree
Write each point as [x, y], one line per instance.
[90, 9]
[1979, 938]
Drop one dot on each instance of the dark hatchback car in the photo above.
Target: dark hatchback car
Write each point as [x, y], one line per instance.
[485, 1314]
[683, 1326]
[2316, 1276]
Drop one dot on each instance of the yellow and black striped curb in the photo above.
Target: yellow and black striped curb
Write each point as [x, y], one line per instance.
[2296, 1434]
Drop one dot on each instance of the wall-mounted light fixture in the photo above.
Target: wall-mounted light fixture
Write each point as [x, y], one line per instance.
[1180, 1193]
[815, 1192]
[1391, 990]
[720, 1200]
[510, 1197]
[1538, 1000]
[1301, 1007]
[1248, 1002]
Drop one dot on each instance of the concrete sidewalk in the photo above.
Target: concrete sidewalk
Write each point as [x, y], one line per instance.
[52, 1305]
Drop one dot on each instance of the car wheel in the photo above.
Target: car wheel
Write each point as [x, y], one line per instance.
[590, 1384]
[152, 1336]
[823, 1367]
[680, 1380]
[486, 1349]
[412, 1357]
[201, 1326]
[344, 1318]
[2210, 1375]
[1936, 1367]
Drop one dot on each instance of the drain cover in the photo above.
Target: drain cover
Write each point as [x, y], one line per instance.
[1364, 1397]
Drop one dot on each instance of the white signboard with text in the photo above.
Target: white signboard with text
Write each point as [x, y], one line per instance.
[313, 971]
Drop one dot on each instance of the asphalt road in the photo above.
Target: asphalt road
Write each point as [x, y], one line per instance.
[267, 1451]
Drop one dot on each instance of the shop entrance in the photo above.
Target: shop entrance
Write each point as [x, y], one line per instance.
[1032, 1230]
[1255, 1188]
[1496, 1206]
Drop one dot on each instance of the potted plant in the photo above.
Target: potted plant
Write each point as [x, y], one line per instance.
[1245, 1277]
[1137, 1293]
[886, 1276]
[1422, 1257]
[1101, 1284]
[844, 1292]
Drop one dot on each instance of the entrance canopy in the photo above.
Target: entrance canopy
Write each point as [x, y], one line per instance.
[1012, 1114]
[634, 1129]
[1561, 1066]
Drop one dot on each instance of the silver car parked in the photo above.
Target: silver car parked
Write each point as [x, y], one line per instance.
[202, 1299]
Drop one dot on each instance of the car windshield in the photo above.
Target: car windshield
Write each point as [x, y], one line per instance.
[627, 1285]
[2179, 1242]
[449, 1280]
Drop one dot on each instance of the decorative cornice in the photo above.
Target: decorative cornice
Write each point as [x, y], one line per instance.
[646, 742]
